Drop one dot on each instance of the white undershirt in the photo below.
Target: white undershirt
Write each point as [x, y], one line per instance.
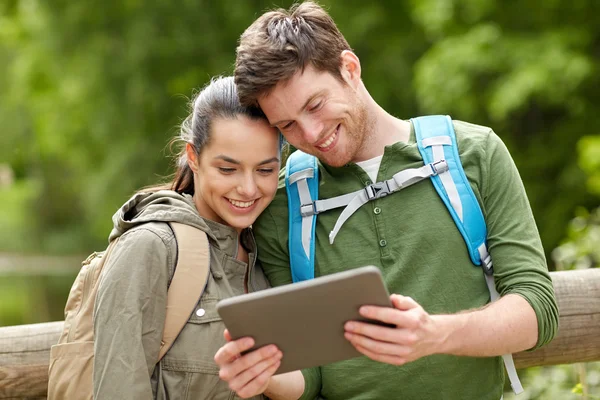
[371, 167]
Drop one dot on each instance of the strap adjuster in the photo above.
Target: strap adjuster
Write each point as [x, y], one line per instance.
[377, 190]
[306, 210]
[438, 167]
[488, 267]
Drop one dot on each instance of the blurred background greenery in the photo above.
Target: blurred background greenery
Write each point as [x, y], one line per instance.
[91, 91]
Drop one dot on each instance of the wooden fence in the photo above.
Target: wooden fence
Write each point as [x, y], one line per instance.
[24, 350]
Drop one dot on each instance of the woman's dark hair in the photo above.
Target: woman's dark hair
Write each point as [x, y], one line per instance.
[218, 99]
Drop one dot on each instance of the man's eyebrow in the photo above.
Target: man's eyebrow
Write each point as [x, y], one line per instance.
[306, 103]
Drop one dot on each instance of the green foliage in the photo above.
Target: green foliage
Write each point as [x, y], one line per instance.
[25, 299]
[589, 160]
[92, 92]
[580, 390]
[527, 70]
[562, 382]
[16, 220]
[582, 246]
[580, 249]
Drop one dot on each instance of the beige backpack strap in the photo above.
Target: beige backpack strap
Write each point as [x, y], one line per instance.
[188, 283]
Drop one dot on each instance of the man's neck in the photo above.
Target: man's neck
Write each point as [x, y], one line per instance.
[385, 130]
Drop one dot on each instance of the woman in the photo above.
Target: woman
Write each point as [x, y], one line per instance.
[227, 175]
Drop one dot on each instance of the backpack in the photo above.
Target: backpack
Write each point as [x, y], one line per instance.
[436, 142]
[72, 359]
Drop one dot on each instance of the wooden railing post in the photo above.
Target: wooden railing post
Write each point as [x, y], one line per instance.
[578, 339]
[24, 357]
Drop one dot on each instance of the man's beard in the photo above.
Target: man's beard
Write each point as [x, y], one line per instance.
[358, 129]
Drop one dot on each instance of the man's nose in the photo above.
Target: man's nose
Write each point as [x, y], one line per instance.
[311, 130]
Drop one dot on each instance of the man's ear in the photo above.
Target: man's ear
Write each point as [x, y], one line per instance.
[350, 68]
[192, 157]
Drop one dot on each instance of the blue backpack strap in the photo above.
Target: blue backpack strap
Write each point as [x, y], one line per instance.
[302, 186]
[435, 140]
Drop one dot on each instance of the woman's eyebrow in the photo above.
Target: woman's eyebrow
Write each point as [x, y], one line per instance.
[270, 160]
[233, 161]
[227, 159]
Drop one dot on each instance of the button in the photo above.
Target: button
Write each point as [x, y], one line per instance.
[368, 182]
[200, 312]
[377, 210]
[382, 243]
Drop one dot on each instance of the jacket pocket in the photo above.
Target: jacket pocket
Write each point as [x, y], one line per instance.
[70, 372]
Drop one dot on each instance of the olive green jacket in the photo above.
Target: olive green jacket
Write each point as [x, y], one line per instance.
[130, 306]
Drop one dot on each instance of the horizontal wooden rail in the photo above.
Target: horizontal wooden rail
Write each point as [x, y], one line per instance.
[24, 350]
[578, 339]
[26, 264]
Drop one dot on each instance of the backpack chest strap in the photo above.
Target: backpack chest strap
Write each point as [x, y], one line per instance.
[399, 181]
[354, 200]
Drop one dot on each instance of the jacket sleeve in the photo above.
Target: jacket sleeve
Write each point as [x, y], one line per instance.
[129, 316]
[513, 239]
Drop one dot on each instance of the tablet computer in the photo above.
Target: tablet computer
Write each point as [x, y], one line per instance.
[306, 319]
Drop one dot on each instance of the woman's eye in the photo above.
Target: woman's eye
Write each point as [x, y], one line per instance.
[226, 170]
[266, 171]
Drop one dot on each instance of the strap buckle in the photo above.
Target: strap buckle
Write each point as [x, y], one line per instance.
[306, 210]
[377, 190]
[488, 267]
[438, 167]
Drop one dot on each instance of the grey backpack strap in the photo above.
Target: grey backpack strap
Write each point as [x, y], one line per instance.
[400, 180]
[188, 283]
[509, 363]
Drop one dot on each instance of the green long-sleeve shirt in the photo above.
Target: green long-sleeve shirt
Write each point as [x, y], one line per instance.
[412, 238]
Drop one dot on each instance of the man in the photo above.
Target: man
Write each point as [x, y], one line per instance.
[301, 71]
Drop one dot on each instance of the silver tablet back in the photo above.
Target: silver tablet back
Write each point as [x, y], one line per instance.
[306, 320]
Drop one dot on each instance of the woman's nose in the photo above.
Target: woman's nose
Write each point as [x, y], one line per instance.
[247, 187]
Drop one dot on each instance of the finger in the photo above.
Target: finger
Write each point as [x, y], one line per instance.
[380, 333]
[261, 380]
[232, 350]
[252, 380]
[388, 315]
[376, 346]
[388, 359]
[403, 317]
[227, 335]
[403, 302]
[231, 370]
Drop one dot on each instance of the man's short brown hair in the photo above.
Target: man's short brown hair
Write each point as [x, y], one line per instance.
[280, 43]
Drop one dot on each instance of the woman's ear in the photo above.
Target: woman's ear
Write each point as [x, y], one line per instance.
[192, 157]
[350, 68]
